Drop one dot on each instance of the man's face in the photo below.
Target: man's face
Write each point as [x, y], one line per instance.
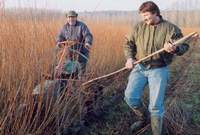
[71, 20]
[149, 18]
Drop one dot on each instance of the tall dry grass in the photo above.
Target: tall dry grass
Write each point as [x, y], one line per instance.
[27, 50]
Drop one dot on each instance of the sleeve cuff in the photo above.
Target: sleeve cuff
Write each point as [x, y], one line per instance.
[177, 50]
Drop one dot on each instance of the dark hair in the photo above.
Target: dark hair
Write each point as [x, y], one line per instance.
[149, 6]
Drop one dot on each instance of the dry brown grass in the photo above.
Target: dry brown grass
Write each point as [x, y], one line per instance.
[189, 30]
[27, 51]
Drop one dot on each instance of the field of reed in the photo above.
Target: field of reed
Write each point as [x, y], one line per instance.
[28, 50]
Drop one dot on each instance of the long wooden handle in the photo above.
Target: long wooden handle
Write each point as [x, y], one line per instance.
[185, 38]
[62, 56]
[70, 42]
[67, 43]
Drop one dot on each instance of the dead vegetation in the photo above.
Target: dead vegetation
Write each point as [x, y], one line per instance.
[27, 51]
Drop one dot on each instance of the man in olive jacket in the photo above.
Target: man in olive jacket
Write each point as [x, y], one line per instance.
[148, 36]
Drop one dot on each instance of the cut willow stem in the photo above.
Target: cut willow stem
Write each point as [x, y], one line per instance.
[182, 40]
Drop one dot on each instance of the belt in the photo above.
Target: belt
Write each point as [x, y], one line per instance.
[152, 65]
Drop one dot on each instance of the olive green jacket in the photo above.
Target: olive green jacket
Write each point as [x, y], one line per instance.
[146, 39]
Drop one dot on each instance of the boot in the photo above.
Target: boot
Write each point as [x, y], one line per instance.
[156, 125]
[142, 117]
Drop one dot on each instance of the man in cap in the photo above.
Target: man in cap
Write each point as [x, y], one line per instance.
[148, 36]
[75, 30]
[75, 62]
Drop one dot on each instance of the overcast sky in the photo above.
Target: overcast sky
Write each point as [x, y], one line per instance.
[84, 5]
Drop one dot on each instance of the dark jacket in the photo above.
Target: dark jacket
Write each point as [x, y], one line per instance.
[78, 32]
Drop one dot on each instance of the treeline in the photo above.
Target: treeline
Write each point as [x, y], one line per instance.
[182, 18]
[187, 18]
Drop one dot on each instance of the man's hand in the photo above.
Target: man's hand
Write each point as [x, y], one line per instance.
[87, 46]
[60, 45]
[129, 63]
[196, 37]
[169, 47]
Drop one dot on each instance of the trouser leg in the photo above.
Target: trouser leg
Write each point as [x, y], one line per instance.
[158, 79]
[133, 93]
[135, 88]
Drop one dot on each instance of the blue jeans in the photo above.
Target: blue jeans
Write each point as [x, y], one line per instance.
[157, 79]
